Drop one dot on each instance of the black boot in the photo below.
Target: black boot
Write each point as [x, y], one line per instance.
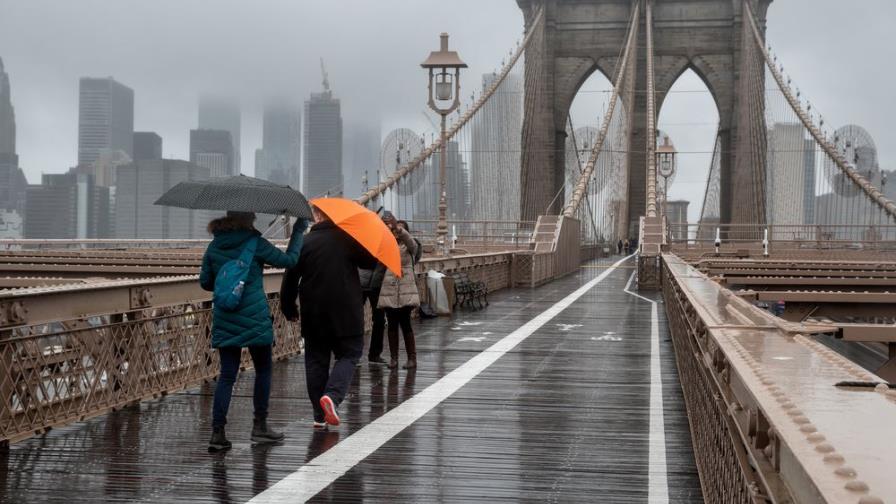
[219, 441]
[410, 345]
[393, 346]
[261, 433]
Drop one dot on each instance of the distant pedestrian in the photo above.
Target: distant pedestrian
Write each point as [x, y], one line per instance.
[248, 324]
[399, 296]
[326, 282]
[371, 282]
[619, 247]
[628, 247]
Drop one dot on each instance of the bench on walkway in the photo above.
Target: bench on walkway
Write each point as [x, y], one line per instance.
[467, 291]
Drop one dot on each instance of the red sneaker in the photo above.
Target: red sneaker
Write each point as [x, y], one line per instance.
[331, 417]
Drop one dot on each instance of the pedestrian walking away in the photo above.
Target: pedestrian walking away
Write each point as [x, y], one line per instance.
[371, 282]
[325, 281]
[243, 320]
[399, 296]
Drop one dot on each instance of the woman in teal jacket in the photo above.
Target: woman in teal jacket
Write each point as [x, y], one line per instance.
[250, 324]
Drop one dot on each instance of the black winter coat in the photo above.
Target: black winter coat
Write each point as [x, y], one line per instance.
[326, 282]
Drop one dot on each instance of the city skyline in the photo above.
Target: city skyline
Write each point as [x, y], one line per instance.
[391, 88]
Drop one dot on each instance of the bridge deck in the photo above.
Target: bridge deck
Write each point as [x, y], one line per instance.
[508, 403]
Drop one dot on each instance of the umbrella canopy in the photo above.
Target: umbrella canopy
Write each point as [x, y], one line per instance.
[365, 227]
[239, 194]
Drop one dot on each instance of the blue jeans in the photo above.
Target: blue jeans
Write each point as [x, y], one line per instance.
[230, 366]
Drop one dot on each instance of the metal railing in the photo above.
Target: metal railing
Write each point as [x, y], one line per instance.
[130, 244]
[71, 352]
[478, 236]
[756, 390]
[782, 236]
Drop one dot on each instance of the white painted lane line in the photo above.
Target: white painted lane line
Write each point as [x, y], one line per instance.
[657, 470]
[327, 467]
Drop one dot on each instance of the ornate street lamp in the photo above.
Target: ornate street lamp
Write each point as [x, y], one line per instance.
[444, 97]
[665, 155]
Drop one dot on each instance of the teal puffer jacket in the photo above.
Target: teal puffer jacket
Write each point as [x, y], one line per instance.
[250, 324]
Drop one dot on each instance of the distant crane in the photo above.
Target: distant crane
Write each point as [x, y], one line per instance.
[323, 71]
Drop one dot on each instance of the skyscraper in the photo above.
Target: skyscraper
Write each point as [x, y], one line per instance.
[140, 184]
[12, 183]
[103, 169]
[217, 113]
[105, 119]
[213, 149]
[7, 115]
[147, 145]
[495, 165]
[278, 160]
[323, 146]
[677, 218]
[457, 185]
[67, 206]
[12, 180]
[790, 179]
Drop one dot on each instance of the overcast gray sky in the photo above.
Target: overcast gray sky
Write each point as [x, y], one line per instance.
[169, 51]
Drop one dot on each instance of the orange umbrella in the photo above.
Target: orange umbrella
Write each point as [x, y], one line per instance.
[365, 227]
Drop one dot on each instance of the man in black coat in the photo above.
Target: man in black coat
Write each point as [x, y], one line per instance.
[326, 282]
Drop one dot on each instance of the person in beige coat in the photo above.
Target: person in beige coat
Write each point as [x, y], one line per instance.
[399, 297]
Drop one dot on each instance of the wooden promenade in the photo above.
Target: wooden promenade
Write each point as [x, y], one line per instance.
[559, 393]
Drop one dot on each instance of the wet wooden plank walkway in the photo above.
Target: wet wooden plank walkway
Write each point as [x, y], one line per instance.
[562, 417]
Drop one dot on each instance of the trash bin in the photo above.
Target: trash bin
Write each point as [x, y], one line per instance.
[438, 295]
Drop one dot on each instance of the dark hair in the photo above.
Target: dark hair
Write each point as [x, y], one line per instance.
[404, 224]
[233, 221]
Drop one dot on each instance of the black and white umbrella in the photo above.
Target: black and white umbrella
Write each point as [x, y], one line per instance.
[239, 194]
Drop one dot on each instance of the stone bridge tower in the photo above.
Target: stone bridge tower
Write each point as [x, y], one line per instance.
[584, 36]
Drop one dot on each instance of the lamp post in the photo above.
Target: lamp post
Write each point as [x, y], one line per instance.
[444, 97]
[666, 162]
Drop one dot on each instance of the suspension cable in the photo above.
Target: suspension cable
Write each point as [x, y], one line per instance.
[582, 185]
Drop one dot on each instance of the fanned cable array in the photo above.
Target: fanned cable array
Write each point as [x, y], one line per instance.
[808, 183]
[710, 214]
[598, 195]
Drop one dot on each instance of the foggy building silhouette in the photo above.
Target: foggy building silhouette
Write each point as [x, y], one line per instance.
[67, 206]
[323, 146]
[457, 186]
[147, 145]
[217, 113]
[213, 149]
[360, 157]
[7, 115]
[12, 180]
[140, 184]
[105, 119]
[790, 175]
[495, 160]
[279, 158]
[677, 218]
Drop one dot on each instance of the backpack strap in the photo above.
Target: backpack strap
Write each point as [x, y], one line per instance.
[248, 252]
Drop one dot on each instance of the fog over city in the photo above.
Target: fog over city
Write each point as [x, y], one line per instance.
[169, 52]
